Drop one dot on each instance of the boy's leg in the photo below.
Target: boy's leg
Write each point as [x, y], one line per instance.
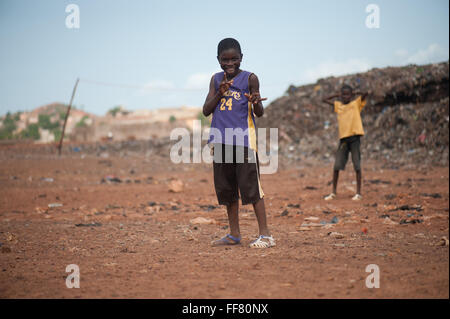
[356, 159]
[339, 164]
[260, 212]
[226, 187]
[251, 190]
[233, 218]
[335, 180]
[358, 182]
[264, 240]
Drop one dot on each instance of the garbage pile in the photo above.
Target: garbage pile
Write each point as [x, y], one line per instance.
[405, 119]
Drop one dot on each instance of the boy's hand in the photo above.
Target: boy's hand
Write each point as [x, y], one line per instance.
[254, 98]
[224, 85]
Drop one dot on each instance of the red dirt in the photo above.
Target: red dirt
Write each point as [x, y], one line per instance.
[140, 252]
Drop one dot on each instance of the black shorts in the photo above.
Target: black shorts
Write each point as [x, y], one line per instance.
[347, 145]
[236, 171]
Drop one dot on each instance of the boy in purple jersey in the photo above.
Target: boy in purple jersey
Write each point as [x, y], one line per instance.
[233, 100]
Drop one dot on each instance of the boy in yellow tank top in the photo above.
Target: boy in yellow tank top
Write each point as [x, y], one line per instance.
[348, 112]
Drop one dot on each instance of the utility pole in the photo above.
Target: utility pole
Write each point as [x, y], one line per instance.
[67, 115]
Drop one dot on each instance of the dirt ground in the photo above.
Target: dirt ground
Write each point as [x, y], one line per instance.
[136, 239]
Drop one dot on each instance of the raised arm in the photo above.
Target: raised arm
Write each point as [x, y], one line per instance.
[363, 95]
[254, 97]
[329, 100]
[213, 97]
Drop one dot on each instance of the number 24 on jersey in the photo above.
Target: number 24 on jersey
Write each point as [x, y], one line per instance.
[224, 102]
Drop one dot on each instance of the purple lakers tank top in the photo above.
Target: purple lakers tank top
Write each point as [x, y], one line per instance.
[233, 121]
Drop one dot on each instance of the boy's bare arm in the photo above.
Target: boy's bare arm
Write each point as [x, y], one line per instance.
[329, 100]
[254, 97]
[213, 97]
[363, 95]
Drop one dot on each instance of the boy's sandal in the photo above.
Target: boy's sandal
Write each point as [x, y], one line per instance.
[357, 197]
[227, 240]
[263, 242]
[330, 197]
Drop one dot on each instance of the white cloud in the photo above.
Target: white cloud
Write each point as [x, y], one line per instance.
[434, 53]
[334, 68]
[401, 53]
[198, 81]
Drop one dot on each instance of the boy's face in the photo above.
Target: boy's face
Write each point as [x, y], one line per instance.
[346, 96]
[230, 61]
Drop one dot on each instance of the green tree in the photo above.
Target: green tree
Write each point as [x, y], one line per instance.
[57, 133]
[172, 119]
[45, 122]
[9, 126]
[62, 115]
[114, 110]
[82, 122]
[32, 131]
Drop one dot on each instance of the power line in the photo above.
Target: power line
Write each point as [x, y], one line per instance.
[142, 87]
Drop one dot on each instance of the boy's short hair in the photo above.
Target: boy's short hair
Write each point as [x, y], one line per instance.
[346, 87]
[228, 43]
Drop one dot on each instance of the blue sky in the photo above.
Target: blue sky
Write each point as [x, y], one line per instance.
[155, 54]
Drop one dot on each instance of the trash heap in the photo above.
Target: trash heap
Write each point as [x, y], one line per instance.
[405, 119]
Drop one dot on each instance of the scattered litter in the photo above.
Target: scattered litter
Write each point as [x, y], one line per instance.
[388, 221]
[311, 219]
[208, 207]
[111, 179]
[336, 235]
[176, 186]
[202, 221]
[11, 237]
[378, 181]
[311, 225]
[284, 213]
[443, 241]
[408, 207]
[411, 221]
[47, 179]
[433, 195]
[89, 225]
[334, 220]
[54, 205]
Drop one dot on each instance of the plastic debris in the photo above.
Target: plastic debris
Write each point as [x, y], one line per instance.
[176, 186]
[202, 221]
[336, 235]
[54, 205]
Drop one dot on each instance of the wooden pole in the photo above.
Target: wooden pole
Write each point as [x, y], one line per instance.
[67, 115]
